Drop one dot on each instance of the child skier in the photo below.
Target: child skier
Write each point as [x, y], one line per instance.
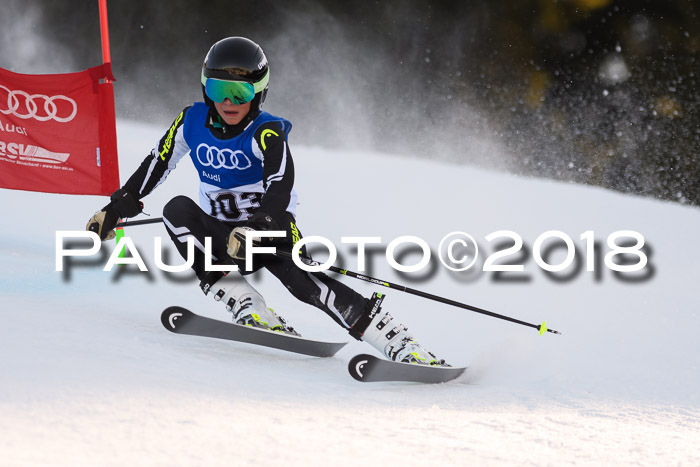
[246, 177]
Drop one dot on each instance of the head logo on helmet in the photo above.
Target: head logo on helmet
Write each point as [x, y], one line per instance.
[236, 68]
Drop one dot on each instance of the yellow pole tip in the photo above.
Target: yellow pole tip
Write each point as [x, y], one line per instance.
[543, 328]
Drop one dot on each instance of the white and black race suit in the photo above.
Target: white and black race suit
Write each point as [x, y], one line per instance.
[242, 171]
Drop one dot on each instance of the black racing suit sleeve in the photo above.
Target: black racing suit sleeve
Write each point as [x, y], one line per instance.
[161, 160]
[278, 170]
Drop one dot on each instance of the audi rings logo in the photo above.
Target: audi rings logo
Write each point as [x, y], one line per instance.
[37, 106]
[211, 156]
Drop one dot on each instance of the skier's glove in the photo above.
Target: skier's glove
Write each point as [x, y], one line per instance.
[122, 204]
[236, 240]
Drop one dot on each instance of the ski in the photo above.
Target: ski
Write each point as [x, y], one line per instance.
[367, 368]
[182, 321]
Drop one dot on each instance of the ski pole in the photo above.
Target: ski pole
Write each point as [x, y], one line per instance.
[542, 328]
[155, 220]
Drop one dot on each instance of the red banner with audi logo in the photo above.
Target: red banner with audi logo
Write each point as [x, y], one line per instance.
[58, 133]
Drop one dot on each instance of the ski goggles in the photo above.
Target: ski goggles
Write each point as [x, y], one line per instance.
[239, 92]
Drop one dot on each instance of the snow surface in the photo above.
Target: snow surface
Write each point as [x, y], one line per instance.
[88, 376]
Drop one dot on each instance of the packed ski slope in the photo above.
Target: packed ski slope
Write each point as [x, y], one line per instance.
[89, 377]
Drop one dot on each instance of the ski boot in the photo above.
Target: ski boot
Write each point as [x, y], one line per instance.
[378, 329]
[246, 304]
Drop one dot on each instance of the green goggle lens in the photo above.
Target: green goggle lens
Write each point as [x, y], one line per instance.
[239, 92]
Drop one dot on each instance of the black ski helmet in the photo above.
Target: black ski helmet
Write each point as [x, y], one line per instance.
[237, 59]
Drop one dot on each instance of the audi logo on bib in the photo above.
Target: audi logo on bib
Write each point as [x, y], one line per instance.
[211, 156]
[40, 107]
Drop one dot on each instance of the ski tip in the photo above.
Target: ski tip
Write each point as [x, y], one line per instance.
[172, 316]
[356, 366]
